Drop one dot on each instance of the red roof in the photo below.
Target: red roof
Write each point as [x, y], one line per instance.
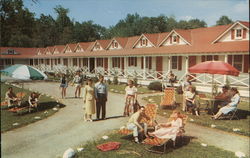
[200, 39]
[23, 52]
[60, 48]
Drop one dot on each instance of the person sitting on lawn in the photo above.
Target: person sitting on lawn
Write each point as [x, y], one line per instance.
[222, 99]
[135, 125]
[11, 98]
[171, 78]
[190, 100]
[33, 100]
[169, 130]
[230, 106]
[130, 97]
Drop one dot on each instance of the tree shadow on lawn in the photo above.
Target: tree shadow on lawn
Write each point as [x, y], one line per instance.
[179, 143]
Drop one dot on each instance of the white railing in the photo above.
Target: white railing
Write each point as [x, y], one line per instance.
[201, 79]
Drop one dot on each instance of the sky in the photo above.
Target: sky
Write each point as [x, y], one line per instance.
[109, 12]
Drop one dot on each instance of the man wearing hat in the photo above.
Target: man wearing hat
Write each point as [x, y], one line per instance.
[222, 99]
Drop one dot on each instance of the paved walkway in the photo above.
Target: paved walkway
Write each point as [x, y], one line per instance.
[52, 136]
[224, 140]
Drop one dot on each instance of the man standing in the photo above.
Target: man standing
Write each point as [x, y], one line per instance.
[101, 95]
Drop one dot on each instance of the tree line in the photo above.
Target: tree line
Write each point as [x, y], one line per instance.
[20, 28]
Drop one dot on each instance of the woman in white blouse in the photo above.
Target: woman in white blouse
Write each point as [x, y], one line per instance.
[130, 97]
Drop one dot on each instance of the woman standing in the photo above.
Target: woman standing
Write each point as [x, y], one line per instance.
[63, 85]
[89, 101]
[130, 97]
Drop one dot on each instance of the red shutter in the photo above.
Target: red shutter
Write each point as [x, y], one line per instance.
[135, 61]
[191, 61]
[246, 64]
[230, 59]
[119, 62]
[244, 33]
[177, 39]
[122, 63]
[232, 34]
[113, 62]
[170, 39]
[216, 57]
[105, 63]
[141, 41]
[159, 65]
[203, 58]
[150, 62]
[146, 42]
[142, 62]
[179, 62]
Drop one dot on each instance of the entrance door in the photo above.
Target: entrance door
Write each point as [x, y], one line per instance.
[159, 67]
[91, 64]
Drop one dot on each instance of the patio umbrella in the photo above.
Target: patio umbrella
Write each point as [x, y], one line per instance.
[24, 72]
[214, 67]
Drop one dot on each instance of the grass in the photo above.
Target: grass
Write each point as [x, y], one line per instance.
[120, 88]
[205, 119]
[45, 110]
[190, 148]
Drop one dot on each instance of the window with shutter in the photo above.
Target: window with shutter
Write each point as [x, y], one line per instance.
[174, 62]
[237, 62]
[179, 62]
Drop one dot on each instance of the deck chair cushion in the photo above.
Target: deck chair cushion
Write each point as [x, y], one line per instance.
[154, 141]
[125, 131]
[169, 97]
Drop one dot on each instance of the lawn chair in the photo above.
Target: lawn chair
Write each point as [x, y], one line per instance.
[150, 111]
[168, 100]
[163, 142]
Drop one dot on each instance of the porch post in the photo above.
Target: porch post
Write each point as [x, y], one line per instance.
[186, 64]
[225, 76]
[169, 63]
[109, 65]
[89, 65]
[144, 67]
[33, 62]
[125, 66]
[95, 64]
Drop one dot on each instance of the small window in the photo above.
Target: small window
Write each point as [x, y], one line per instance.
[99, 62]
[97, 46]
[174, 39]
[238, 33]
[116, 62]
[132, 61]
[116, 45]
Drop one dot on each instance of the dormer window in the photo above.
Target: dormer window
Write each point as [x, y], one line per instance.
[144, 42]
[97, 46]
[114, 44]
[174, 39]
[238, 33]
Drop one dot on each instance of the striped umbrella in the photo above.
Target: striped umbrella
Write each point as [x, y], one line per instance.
[24, 72]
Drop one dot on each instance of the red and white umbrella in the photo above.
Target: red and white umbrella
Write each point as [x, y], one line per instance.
[214, 67]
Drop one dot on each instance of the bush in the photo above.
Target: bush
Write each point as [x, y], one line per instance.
[155, 86]
[135, 82]
[94, 79]
[115, 80]
[109, 81]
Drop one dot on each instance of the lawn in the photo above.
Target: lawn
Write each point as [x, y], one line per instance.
[190, 148]
[45, 110]
[205, 119]
[120, 88]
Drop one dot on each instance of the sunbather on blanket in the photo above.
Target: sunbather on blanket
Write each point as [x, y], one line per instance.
[169, 130]
[135, 125]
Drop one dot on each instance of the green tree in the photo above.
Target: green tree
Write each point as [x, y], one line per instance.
[224, 20]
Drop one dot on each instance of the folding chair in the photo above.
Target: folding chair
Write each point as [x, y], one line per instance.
[163, 142]
[168, 100]
[231, 115]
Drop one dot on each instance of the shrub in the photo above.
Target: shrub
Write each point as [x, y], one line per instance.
[94, 79]
[115, 80]
[155, 86]
[109, 81]
[135, 82]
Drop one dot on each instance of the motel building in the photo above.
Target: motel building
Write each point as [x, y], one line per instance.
[148, 57]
